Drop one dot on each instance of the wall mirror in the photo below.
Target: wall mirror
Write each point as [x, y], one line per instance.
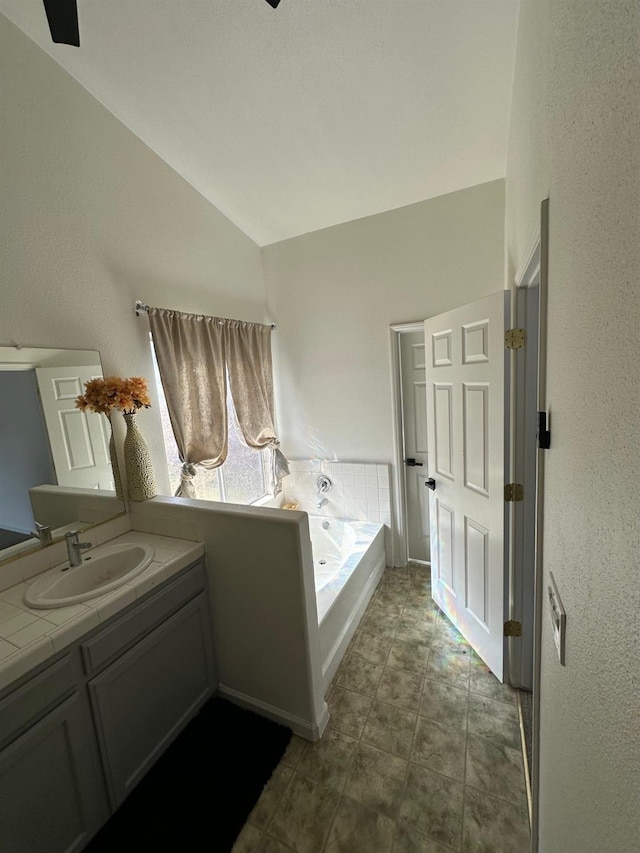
[55, 466]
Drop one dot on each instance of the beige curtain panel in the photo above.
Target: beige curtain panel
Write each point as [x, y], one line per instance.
[248, 350]
[190, 353]
[194, 355]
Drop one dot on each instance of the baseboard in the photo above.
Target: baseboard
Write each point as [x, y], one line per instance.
[304, 728]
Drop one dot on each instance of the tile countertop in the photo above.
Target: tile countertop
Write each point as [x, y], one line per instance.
[29, 636]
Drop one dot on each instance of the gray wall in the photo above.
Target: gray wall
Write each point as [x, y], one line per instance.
[575, 138]
[25, 457]
[91, 220]
[335, 293]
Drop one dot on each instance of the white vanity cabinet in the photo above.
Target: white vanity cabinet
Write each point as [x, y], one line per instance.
[52, 795]
[79, 735]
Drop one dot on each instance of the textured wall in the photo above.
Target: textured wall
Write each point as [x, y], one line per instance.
[335, 293]
[91, 219]
[575, 137]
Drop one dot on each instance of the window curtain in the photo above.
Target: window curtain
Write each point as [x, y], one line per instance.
[195, 353]
[190, 354]
[248, 350]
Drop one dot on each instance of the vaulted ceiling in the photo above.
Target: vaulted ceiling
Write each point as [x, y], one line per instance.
[315, 113]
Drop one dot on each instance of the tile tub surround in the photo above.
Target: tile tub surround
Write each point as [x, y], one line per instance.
[28, 637]
[419, 753]
[361, 491]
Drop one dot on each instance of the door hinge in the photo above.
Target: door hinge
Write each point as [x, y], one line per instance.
[515, 338]
[512, 628]
[544, 435]
[513, 492]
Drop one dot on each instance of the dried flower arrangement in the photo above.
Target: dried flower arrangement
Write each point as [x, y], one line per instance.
[112, 392]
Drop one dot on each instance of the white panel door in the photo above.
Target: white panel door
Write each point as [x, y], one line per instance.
[465, 388]
[79, 441]
[414, 421]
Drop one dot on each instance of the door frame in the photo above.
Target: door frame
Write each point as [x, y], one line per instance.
[528, 591]
[399, 474]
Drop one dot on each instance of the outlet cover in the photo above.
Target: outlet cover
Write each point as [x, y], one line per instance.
[558, 617]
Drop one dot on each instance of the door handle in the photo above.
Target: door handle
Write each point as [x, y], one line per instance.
[430, 484]
[413, 464]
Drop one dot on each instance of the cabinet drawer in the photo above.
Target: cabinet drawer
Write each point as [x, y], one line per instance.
[124, 632]
[25, 705]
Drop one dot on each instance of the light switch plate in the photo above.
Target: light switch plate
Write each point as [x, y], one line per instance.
[558, 617]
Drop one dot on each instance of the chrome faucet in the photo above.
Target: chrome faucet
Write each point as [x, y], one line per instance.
[74, 547]
[322, 503]
[42, 533]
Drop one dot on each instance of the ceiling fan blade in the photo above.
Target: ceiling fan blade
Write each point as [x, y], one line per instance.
[273, 3]
[63, 21]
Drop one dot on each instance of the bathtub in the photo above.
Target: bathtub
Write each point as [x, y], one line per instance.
[348, 562]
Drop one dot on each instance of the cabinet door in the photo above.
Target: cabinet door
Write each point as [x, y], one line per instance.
[52, 796]
[145, 698]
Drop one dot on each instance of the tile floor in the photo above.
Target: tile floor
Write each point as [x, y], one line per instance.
[422, 753]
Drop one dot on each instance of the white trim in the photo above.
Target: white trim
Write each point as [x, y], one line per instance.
[527, 266]
[399, 545]
[304, 728]
[533, 272]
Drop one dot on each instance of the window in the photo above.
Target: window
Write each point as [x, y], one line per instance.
[244, 477]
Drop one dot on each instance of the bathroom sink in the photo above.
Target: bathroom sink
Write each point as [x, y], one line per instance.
[107, 568]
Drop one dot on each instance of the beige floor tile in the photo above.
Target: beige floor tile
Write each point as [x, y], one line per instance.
[358, 674]
[376, 779]
[372, 647]
[357, 829]
[380, 624]
[293, 751]
[494, 720]
[413, 712]
[348, 711]
[270, 797]
[415, 631]
[408, 656]
[484, 682]
[304, 815]
[445, 703]
[249, 840]
[421, 611]
[440, 748]
[272, 845]
[448, 665]
[494, 826]
[329, 759]
[432, 806]
[406, 841]
[390, 728]
[401, 688]
[495, 769]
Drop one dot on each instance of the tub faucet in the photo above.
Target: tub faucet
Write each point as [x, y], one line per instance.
[322, 503]
[74, 547]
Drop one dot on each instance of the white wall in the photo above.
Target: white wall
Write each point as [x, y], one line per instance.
[263, 601]
[335, 293]
[575, 138]
[91, 220]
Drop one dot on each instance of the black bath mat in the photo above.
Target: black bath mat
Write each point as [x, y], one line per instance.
[199, 794]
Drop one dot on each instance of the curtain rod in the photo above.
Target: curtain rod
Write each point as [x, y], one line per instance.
[142, 308]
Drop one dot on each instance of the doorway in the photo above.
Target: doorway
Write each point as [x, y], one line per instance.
[408, 372]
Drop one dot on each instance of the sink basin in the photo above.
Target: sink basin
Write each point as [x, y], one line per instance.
[107, 568]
